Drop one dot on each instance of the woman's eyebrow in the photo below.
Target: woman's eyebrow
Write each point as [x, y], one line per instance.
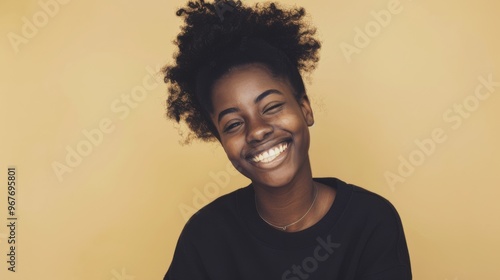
[266, 93]
[257, 100]
[227, 111]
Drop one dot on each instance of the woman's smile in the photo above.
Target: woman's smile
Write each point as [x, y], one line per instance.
[272, 157]
[271, 154]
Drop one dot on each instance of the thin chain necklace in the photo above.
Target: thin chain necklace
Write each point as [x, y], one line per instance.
[283, 228]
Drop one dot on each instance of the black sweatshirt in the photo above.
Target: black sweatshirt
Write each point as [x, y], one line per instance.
[360, 237]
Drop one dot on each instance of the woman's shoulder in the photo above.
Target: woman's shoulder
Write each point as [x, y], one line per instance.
[220, 211]
[359, 200]
[373, 203]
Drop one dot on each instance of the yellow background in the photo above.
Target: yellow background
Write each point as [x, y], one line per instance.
[116, 215]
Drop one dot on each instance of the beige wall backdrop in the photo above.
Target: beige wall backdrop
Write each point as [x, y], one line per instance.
[406, 99]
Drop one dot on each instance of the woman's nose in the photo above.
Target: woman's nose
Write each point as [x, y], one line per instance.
[258, 130]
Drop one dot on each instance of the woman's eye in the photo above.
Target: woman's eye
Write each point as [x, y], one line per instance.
[231, 126]
[274, 108]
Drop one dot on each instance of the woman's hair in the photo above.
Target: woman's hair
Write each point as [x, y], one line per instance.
[213, 40]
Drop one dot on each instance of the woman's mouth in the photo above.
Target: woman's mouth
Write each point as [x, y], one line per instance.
[270, 154]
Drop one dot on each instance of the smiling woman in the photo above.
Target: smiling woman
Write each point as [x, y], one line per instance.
[237, 79]
[256, 114]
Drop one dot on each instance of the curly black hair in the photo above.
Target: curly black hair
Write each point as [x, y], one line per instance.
[210, 43]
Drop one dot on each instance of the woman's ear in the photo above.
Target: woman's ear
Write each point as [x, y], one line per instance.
[305, 105]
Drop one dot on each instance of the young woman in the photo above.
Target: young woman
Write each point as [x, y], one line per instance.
[237, 79]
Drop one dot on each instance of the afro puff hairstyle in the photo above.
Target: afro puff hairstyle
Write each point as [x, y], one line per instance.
[211, 43]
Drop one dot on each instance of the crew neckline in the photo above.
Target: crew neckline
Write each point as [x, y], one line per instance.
[290, 240]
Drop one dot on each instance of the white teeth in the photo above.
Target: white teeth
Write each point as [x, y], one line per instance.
[270, 154]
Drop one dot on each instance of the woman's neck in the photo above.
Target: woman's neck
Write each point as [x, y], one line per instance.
[283, 206]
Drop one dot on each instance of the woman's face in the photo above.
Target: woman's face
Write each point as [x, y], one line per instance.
[263, 129]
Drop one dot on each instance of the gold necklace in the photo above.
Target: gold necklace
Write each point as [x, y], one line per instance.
[283, 228]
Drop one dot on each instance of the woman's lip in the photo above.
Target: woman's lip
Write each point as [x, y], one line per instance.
[251, 155]
[276, 161]
[270, 154]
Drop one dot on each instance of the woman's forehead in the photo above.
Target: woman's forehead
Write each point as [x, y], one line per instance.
[248, 80]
